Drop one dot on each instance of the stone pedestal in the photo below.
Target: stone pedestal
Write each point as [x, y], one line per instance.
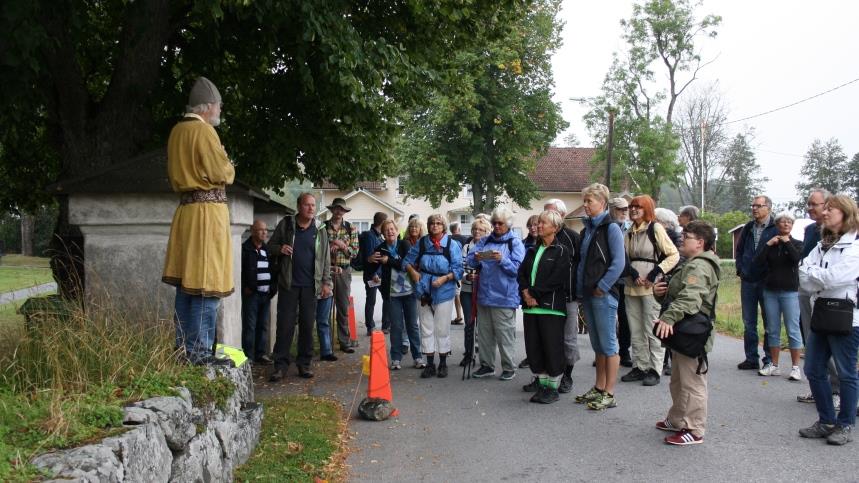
[124, 214]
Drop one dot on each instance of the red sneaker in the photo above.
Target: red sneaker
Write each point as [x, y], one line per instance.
[684, 438]
[667, 426]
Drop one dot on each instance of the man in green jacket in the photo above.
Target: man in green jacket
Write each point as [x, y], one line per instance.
[299, 246]
[692, 289]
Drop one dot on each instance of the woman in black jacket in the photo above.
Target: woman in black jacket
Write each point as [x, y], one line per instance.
[544, 279]
[781, 258]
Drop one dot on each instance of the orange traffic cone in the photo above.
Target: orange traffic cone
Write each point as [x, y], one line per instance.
[353, 330]
[379, 385]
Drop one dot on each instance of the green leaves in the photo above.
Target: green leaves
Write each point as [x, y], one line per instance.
[492, 119]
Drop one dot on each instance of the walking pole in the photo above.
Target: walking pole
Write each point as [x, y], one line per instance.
[472, 321]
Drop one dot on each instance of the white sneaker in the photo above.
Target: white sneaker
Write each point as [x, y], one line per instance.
[769, 370]
[795, 374]
[396, 366]
[836, 401]
[420, 363]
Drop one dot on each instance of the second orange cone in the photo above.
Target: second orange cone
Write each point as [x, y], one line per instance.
[379, 385]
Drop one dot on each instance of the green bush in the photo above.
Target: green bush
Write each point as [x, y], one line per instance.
[725, 222]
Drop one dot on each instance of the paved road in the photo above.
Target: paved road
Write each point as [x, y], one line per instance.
[26, 293]
[486, 430]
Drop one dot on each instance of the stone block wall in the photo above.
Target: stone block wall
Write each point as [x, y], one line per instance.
[170, 439]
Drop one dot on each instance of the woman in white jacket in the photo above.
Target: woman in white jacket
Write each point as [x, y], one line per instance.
[831, 271]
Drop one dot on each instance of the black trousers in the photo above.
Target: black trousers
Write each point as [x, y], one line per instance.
[544, 343]
[296, 306]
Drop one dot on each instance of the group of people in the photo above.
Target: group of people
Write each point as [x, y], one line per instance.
[796, 284]
[635, 270]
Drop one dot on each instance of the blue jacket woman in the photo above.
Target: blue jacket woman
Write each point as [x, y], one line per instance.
[435, 265]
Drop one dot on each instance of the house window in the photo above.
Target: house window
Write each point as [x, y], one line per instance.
[465, 220]
[361, 226]
[401, 188]
[468, 191]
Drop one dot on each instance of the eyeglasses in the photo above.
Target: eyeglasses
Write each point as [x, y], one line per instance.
[634, 207]
[812, 205]
[498, 223]
[435, 223]
[687, 236]
[755, 207]
[622, 209]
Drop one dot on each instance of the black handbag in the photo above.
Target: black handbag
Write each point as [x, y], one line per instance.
[832, 316]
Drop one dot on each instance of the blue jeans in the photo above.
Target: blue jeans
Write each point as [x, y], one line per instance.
[467, 314]
[601, 316]
[778, 303]
[255, 317]
[195, 324]
[842, 349]
[403, 313]
[323, 325]
[752, 296]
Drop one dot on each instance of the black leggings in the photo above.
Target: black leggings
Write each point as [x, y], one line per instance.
[544, 343]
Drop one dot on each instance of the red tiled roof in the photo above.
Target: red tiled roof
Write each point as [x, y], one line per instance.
[365, 185]
[563, 169]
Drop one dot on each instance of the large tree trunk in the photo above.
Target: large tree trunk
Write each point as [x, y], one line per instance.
[95, 131]
[28, 229]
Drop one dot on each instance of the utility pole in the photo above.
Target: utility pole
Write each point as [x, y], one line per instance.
[609, 147]
[703, 159]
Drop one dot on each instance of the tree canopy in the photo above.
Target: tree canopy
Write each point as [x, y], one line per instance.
[825, 167]
[311, 89]
[660, 35]
[490, 124]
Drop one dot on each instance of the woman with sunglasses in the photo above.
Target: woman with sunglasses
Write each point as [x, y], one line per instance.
[435, 264]
[651, 254]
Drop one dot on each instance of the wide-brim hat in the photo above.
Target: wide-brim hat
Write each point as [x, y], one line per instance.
[339, 203]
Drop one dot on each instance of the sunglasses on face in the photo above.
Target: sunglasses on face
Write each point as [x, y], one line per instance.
[634, 207]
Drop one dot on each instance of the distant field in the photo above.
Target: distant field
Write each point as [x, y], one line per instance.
[14, 277]
[14, 260]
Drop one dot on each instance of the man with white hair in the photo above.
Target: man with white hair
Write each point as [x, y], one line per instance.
[199, 260]
[498, 257]
[571, 240]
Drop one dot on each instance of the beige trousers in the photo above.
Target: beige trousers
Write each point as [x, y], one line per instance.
[647, 350]
[688, 395]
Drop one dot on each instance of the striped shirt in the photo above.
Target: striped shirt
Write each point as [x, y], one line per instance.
[263, 270]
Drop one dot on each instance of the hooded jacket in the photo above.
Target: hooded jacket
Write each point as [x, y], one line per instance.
[833, 273]
[433, 263]
[497, 284]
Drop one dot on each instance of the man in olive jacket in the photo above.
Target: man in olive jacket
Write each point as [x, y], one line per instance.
[299, 246]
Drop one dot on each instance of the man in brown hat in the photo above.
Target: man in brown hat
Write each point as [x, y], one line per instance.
[199, 261]
[344, 247]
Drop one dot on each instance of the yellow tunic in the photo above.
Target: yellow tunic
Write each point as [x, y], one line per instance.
[200, 250]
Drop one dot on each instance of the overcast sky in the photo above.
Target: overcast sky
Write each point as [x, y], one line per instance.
[768, 54]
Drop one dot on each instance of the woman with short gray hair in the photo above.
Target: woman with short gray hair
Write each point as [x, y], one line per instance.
[498, 257]
[781, 256]
[686, 214]
[544, 281]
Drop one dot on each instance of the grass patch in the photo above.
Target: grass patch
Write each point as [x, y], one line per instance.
[65, 379]
[9, 316]
[729, 313]
[17, 277]
[300, 441]
[15, 260]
